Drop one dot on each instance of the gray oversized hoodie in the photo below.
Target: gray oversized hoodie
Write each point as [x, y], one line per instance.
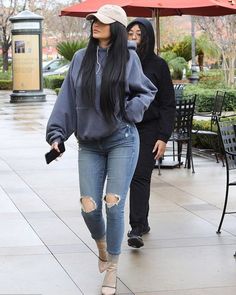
[71, 115]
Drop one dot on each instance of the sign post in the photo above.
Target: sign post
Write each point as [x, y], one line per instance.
[27, 57]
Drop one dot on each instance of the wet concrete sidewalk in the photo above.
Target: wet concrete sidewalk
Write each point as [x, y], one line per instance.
[46, 249]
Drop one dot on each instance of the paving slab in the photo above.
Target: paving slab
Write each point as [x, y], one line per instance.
[45, 247]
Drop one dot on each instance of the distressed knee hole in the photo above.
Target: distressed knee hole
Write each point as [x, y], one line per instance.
[111, 200]
[88, 204]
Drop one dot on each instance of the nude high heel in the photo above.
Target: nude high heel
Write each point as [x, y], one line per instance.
[110, 280]
[102, 254]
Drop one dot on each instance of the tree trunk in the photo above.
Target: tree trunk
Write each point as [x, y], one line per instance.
[6, 44]
[5, 57]
[201, 60]
[231, 71]
[225, 67]
[228, 67]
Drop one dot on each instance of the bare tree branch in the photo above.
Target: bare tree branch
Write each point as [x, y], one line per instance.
[222, 31]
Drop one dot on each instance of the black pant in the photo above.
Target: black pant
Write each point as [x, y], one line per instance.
[140, 184]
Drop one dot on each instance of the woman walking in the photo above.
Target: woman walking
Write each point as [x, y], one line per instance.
[154, 130]
[104, 94]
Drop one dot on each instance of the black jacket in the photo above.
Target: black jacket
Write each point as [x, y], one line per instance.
[161, 112]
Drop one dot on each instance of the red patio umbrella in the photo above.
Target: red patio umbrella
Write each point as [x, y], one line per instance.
[156, 8]
[145, 8]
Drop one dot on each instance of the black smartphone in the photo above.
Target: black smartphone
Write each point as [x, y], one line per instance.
[53, 154]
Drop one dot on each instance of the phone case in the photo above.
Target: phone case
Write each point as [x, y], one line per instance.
[53, 154]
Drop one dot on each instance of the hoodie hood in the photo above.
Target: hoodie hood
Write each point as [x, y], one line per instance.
[149, 29]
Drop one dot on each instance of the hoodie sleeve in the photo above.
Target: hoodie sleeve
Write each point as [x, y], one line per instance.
[62, 121]
[141, 91]
[166, 104]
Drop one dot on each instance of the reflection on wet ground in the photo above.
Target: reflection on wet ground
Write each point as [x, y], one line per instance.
[45, 247]
[26, 116]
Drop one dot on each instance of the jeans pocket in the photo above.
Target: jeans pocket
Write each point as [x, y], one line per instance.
[125, 130]
[126, 133]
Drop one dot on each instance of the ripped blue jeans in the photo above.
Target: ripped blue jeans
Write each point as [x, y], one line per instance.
[111, 161]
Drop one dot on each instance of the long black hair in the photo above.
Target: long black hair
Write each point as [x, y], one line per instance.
[143, 47]
[113, 76]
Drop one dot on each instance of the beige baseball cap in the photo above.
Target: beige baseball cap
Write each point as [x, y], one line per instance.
[108, 14]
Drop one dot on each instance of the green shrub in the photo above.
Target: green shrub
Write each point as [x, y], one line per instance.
[5, 75]
[230, 118]
[206, 95]
[202, 125]
[5, 84]
[230, 101]
[176, 64]
[211, 79]
[57, 90]
[205, 141]
[53, 82]
[201, 140]
[209, 83]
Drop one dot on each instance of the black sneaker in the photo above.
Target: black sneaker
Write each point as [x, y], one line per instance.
[143, 232]
[146, 230]
[135, 238]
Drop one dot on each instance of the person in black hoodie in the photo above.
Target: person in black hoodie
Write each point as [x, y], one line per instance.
[154, 130]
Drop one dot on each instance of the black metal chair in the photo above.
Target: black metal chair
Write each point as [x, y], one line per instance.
[178, 88]
[217, 104]
[227, 134]
[182, 133]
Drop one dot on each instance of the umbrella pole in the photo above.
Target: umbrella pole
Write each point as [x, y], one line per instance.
[157, 29]
[194, 75]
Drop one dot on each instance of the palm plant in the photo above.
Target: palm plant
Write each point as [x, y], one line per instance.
[176, 64]
[183, 48]
[67, 49]
[206, 48]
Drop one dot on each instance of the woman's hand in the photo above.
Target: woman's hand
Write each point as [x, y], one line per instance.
[159, 149]
[55, 146]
